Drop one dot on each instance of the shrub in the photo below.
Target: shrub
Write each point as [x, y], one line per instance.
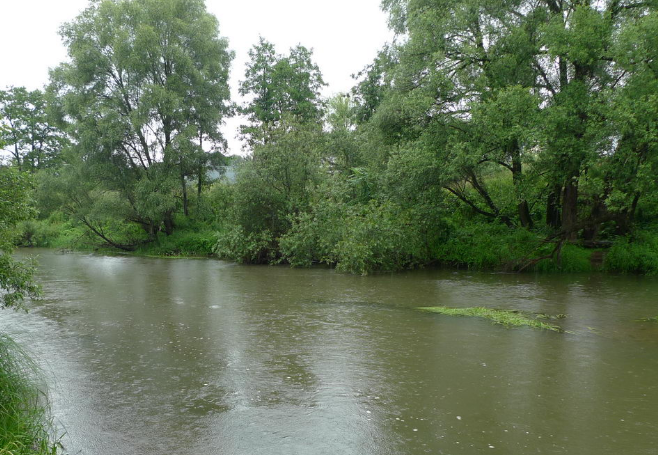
[357, 238]
[639, 254]
[573, 259]
[253, 248]
[485, 246]
[183, 242]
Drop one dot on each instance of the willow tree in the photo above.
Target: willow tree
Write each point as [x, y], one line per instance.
[30, 139]
[528, 88]
[143, 96]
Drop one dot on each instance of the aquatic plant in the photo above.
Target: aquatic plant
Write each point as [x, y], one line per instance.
[508, 318]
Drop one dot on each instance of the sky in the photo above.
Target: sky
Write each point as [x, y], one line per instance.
[345, 36]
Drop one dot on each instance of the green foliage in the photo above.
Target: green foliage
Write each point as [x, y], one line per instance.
[15, 206]
[25, 425]
[279, 86]
[637, 254]
[486, 245]
[182, 243]
[143, 97]
[244, 247]
[191, 238]
[358, 238]
[52, 233]
[572, 259]
[31, 140]
[488, 136]
[272, 185]
[508, 318]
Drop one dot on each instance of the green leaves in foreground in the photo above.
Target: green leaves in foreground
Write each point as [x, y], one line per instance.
[509, 318]
[26, 427]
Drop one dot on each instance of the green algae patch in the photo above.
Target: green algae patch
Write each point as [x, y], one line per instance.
[508, 318]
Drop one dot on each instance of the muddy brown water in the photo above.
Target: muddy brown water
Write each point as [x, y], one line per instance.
[188, 356]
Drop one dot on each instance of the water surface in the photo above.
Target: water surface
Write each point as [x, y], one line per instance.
[153, 356]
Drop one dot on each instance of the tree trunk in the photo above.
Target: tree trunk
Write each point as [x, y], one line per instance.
[626, 218]
[184, 188]
[524, 214]
[592, 230]
[523, 208]
[169, 223]
[553, 208]
[570, 210]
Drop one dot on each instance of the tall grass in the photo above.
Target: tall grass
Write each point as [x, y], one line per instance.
[638, 254]
[25, 426]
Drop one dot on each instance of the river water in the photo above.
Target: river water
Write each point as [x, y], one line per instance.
[187, 356]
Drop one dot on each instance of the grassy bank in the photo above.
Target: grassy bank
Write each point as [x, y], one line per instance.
[190, 239]
[25, 426]
[361, 244]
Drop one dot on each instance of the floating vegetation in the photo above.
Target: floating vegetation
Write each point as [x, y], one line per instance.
[550, 316]
[654, 319]
[509, 318]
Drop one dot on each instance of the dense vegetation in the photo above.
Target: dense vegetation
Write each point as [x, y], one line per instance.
[518, 135]
[24, 422]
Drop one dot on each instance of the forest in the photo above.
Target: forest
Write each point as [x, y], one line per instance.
[509, 135]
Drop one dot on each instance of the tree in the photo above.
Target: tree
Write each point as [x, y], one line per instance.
[279, 85]
[143, 97]
[31, 140]
[273, 185]
[524, 88]
[16, 278]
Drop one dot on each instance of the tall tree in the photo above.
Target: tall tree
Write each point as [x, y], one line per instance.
[31, 140]
[143, 95]
[279, 85]
[520, 87]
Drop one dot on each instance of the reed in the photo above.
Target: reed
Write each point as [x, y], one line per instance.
[25, 424]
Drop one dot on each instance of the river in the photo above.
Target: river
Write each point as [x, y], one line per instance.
[191, 356]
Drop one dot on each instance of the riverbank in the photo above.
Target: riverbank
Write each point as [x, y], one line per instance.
[475, 247]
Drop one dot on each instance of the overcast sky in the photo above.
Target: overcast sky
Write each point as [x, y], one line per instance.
[345, 35]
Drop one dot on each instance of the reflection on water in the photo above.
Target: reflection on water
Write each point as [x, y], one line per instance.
[150, 356]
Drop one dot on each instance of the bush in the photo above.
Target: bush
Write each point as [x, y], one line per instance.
[357, 238]
[252, 248]
[50, 233]
[182, 243]
[573, 259]
[486, 246]
[638, 254]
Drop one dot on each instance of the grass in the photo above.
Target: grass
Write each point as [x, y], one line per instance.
[25, 427]
[508, 318]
